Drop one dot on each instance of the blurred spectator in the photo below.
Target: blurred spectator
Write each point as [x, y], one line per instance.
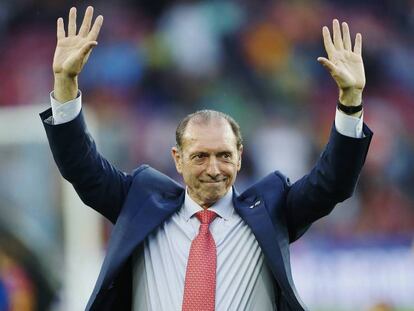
[382, 307]
[17, 292]
[4, 300]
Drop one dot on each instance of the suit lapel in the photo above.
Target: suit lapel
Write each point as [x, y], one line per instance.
[253, 211]
[132, 228]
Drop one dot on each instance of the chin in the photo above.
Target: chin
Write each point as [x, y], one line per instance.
[214, 197]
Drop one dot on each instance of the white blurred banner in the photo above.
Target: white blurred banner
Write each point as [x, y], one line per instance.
[354, 278]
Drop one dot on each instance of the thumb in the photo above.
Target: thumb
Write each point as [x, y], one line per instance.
[86, 48]
[327, 64]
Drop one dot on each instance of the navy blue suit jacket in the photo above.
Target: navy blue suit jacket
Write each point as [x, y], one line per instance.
[277, 211]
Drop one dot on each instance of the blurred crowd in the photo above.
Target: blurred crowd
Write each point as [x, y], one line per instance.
[256, 60]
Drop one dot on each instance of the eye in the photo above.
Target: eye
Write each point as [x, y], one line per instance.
[198, 156]
[226, 155]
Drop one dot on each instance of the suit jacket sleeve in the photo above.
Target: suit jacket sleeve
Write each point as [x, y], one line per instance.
[332, 180]
[99, 184]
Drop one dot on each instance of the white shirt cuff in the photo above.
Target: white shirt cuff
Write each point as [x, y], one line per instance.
[349, 125]
[65, 112]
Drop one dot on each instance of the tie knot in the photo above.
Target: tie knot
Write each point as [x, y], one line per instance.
[206, 216]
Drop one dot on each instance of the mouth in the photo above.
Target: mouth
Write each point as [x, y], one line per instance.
[212, 181]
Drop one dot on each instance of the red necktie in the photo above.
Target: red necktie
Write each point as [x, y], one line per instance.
[200, 278]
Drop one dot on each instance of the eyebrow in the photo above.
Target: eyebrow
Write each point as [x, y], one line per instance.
[208, 153]
[224, 152]
[198, 153]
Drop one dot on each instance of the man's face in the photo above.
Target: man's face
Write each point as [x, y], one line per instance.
[208, 160]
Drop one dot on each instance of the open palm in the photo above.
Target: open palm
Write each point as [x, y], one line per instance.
[72, 51]
[344, 64]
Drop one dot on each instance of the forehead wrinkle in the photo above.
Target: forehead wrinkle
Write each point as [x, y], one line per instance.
[215, 129]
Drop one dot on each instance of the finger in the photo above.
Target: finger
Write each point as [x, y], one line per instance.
[358, 44]
[327, 41]
[87, 20]
[96, 28]
[60, 29]
[72, 22]
[327, 64]
[337, 37]
[346, 37]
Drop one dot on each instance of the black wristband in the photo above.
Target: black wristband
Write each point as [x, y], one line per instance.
[349, 109]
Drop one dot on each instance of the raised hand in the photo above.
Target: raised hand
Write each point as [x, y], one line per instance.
[344, 63]
[72, 52]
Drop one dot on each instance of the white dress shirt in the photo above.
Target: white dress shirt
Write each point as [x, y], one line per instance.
[244, 281]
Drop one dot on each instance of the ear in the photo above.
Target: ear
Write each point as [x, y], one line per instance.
[176, 154]
[240, 152]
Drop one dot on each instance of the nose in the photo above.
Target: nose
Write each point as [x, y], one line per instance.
[213, 168]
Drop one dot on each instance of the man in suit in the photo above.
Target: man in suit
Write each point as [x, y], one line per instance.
[204, 247]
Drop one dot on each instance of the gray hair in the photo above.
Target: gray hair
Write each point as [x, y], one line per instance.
[205, 116]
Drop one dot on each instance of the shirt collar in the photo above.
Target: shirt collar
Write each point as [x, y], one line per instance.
[223, 207]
